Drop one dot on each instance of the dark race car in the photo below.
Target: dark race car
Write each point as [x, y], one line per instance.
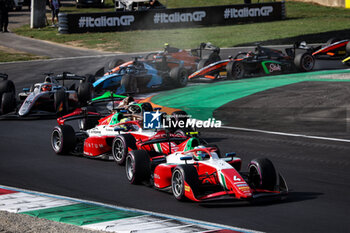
[264, 61]
[57, 95]
[197, 173]
[196, 59]
[142, 76]
[334, 49]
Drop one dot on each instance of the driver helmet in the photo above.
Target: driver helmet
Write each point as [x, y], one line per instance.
[46, 87]
[123, 121]
[199, 155]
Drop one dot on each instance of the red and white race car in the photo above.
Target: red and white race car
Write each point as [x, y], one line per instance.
[96, 141]
[109, 137]
[200, 175]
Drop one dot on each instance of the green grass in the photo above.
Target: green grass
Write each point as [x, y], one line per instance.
[303, 18]
[13, 56]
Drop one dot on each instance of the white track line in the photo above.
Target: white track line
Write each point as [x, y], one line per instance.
[287, 134]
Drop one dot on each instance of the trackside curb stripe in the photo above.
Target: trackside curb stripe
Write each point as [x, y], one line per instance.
[185, 221]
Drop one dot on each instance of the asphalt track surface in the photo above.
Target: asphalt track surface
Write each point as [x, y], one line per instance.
[317, 171]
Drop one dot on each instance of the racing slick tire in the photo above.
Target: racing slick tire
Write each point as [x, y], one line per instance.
[84, 92]
[63, 139]
[304, 62]
[60, 102]
[8, 102]
[114, 63]
[137, 167]
[179, 76]
[262, 174]
[235, 70]
[120, 146]
[181, 174]
[7, 86]
[130, 83]
[348, 48]
[147, 107]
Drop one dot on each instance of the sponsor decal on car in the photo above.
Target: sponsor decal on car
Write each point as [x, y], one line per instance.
[274, 67]
[187, 188]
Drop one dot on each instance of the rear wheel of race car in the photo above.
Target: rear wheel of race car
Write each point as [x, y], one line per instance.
[179, 76]
[120, 146]
[8, 102]
[235, 70]
[262, 174]
[114, 63]
[63, 139]
[147, 107]
[184, 174]
[7, 86]
[84, 92]
[304, 62]
[130, 83]
[137, 166]
[60, 102]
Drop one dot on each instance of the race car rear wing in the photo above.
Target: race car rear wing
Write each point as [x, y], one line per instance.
[79, 113]
[69, 76]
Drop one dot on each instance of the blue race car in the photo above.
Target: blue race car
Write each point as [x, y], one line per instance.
[142, 76]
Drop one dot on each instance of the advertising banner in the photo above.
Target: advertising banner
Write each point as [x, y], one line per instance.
[171, 18]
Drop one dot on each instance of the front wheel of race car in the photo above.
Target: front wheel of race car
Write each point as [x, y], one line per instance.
[235, 70]
[63, 139]
[120, 147]
[137, 166]
[84, 92]
[348, 48]
[8, 102]
[129, 82]
[304, 62]
[184, 176]
[262, 174]
[179, 76]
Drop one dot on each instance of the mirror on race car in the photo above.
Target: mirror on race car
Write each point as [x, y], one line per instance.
[26, 89]
[230, 154]
[118, 129]
[186, 158]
